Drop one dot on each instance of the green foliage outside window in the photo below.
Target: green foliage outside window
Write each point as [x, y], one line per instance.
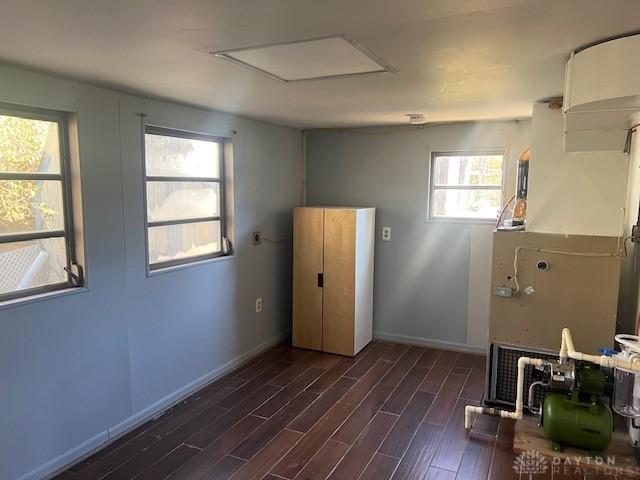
[22, 149]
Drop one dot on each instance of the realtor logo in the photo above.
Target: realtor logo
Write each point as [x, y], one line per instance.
[530, 463]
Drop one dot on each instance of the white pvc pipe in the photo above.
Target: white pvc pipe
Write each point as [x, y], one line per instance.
[470, 410]
[567, 350]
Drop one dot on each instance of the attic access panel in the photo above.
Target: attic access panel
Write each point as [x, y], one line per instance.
[313, 59]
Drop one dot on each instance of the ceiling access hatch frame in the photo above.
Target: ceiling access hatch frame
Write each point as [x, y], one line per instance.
[384, 67]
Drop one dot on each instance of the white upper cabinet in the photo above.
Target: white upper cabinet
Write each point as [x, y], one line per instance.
[602, 95]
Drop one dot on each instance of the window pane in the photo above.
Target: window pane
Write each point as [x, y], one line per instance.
[32, 264]
[29, 146]
[468, 170]
[181, 157]
[180, 200]
[176, 242]
[30, 205]
[475, 204]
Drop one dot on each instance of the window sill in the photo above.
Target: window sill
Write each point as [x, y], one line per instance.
[464, 221]
[197, 263]
[40, 297]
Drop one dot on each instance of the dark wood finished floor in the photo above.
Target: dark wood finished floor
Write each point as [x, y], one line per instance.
[393, 411]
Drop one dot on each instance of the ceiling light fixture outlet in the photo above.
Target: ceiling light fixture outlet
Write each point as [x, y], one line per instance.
[416, 118]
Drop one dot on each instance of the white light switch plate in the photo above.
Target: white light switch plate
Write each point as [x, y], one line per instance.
[386, 234]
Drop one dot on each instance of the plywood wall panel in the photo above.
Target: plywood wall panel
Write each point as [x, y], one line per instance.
[577, 292]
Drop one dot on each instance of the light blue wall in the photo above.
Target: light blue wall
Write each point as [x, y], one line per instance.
[79, 368]
[421, 285]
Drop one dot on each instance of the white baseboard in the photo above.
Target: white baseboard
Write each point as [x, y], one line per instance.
[429, 342]
[102, 439]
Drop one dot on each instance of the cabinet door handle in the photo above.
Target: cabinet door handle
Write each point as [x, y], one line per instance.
[321, 280]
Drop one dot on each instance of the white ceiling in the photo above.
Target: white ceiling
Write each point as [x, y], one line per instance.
[456, 59]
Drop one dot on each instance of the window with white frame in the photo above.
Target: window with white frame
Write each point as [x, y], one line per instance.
[466, 186]
[185, 197]
[36, 233]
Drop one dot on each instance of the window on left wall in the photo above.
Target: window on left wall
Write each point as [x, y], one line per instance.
[37, 251]
[185, 197]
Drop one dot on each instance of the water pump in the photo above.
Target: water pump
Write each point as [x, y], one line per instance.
[575, 410]
[576, 407]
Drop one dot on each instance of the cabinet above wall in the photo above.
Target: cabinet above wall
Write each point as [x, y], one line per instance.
[602, 95]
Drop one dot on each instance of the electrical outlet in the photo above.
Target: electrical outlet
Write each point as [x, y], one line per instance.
[256, 238]
[258, 304]
[386, 234]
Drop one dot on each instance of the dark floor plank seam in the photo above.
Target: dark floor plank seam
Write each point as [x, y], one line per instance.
[381, 442]
[330, 437]
[422, 421]
[453, 403]
[302, 435]
[281, 388]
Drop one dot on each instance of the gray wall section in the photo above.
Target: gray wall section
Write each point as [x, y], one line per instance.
[78, 368]
[422, 274]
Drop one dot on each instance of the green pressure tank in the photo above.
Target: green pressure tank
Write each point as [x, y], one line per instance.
[569, 422]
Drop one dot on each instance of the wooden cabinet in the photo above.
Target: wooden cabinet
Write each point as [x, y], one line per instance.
[333, 278]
